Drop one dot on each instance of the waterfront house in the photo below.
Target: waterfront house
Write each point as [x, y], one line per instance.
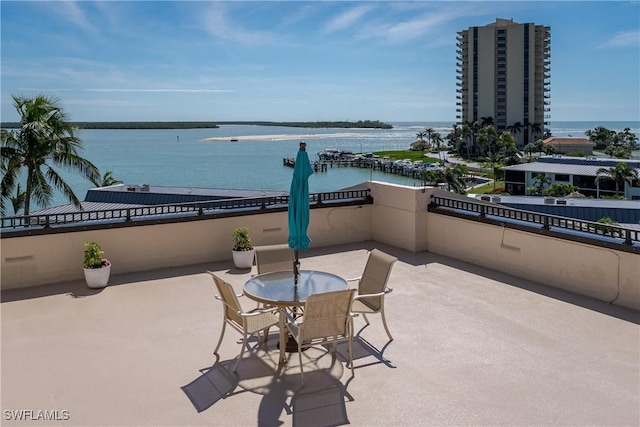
[565, 145]
[578, 171]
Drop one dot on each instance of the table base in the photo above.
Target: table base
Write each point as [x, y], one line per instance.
[292, 345]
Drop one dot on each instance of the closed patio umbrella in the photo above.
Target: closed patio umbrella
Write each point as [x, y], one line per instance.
[298, 208]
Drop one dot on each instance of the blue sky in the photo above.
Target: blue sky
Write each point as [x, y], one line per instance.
[300, 61]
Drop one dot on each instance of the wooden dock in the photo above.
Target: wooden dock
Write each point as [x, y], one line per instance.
[317, 166]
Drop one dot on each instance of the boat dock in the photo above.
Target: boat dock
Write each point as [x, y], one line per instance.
[382, 165]
[317, 166]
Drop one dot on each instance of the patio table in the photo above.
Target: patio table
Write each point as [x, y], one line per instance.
[278, 289]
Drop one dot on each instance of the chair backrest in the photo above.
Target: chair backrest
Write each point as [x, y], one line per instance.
[327, 314]
[231, 303]
[274, 258]
[375, 276]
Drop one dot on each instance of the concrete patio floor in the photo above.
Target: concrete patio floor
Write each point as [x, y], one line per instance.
[472, 347]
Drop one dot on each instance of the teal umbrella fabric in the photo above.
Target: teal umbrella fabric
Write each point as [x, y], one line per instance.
[298, 208]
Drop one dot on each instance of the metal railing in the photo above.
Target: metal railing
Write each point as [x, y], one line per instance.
[574, 229]
[224, 207]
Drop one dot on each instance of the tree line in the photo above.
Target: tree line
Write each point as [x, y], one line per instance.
[366, 124]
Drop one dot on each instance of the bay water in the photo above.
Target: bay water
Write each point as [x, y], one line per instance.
[185, 158]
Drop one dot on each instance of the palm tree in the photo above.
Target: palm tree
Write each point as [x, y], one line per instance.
[430, 133]
[454, 139]
[106, 180]
[601, 136]
[45, 139]
[620, 173]
[487, 140]
[526, 129]
[467, 135]
[535, 129]
[436, 139]
[433, 177]
[17, 201]
[515, 128]
[421, 135]
[494, 161]
[454, 177]
[540, 182]
[486, 121]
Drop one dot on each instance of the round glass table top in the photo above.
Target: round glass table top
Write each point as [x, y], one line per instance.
[277, 288]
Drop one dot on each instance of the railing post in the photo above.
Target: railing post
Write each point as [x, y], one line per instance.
[128, 219]
[545, 223]
[627, 237]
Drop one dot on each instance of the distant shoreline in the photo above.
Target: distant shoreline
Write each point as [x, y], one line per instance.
[361, 124]
[281, 137]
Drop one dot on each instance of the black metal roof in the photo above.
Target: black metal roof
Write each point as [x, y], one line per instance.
[160, 195]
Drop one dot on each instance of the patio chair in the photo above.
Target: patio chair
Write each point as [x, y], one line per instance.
[274, 258]
[372, 286]
[246, 322]
[327, 320]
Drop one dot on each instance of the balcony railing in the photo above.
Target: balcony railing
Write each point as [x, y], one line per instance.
[596, 233]
[14, 226]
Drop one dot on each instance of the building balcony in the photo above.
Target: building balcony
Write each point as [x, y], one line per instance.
[497, 321]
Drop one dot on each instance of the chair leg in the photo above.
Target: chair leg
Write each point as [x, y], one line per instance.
[266, 336]
[350, 350]
[300, 359]
[244, 343]
[384, 322]
[224, 326]
[365, 318]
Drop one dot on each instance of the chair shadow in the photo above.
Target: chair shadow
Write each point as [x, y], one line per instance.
[320, 402]
[213, 384]
[363, 349]
[218, 381]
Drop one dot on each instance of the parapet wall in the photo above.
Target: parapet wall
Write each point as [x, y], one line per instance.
[398, 217]
[52, 258]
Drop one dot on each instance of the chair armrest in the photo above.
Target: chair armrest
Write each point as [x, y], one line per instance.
[379, 294]
[219, 298]
[355, 279]
[258, 312]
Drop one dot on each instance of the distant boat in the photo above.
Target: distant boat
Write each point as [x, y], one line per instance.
[234, 139]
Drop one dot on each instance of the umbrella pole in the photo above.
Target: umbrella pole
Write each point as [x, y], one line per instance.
[296, 267]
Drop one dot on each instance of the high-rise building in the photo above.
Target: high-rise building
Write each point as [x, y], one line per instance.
[503, 78]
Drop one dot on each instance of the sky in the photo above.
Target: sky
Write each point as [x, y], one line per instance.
[214, 61]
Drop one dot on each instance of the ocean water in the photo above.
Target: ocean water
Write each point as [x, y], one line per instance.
[184, 158]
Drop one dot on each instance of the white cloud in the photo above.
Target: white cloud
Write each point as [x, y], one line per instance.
[215, 22]
[347, 19]
[623, 39]
[72, 12]
[159, 90]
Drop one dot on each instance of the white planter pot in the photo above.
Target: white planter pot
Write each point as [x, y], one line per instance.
[97, 277]
[243, 259]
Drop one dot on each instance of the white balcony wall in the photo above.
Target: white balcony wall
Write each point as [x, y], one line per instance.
[398, 217]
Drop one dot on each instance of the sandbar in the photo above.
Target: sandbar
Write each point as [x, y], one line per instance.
[283, 137]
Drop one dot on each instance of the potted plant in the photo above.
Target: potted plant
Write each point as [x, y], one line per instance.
[243, 251]
[97, 268]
